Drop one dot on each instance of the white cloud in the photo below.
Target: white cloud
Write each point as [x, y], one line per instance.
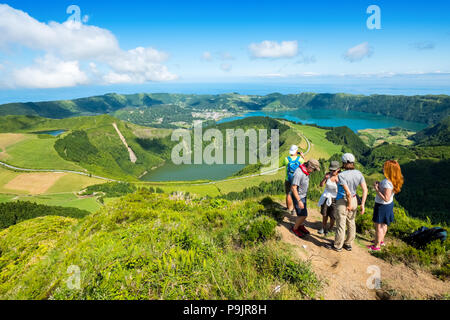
[359, 52]
[75, 42]
[273, 50]
[139, 65]
[50, 72]
[226, 67]
[206, 56]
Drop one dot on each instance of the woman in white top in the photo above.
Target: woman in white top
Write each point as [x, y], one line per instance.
[327, 202]
[383, 212]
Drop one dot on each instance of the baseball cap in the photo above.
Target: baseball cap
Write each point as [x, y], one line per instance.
[313, 163]
[293, 150]
[348, 157]
[334, 165]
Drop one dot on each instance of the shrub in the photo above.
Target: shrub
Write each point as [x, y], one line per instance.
[258, 229]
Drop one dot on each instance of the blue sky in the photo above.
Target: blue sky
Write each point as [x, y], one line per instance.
[224, 41]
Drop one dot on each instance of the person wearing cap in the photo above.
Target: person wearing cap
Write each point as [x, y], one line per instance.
[294, 157]
[347, 205]
[327, 201]
[299, 190]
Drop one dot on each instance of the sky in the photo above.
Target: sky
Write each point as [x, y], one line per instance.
[101, 46]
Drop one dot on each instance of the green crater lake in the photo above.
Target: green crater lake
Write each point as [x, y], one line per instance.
[322, 117]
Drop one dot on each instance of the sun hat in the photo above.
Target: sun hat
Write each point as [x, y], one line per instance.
[334, 165]
[313, 163]
[348, 157]
[293, 150]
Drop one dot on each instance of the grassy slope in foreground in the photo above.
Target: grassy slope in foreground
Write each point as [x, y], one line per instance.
[146, 246]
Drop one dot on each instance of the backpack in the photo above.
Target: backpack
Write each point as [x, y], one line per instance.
[291, 167]
[423, 236]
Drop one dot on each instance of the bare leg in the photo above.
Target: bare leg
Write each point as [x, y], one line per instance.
[384, 231]
[289, 203]
[331, 223]
[299, 222]
[324, 222]
[378, 234]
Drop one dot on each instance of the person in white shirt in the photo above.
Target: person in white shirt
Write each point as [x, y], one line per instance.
[327, 201]
[383, 212]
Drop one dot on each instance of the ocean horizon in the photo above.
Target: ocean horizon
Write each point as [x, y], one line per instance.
[37, 95]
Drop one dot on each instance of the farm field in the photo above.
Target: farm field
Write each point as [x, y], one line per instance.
[61, 200]
[375, 137]
[33, 152]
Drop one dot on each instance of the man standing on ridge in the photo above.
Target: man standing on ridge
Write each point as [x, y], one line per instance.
[292, 162]
[300, 184]
[347, 204]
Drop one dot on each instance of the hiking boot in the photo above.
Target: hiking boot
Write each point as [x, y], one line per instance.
[373, 248]
[304, 230]
[298, 233]
[321, 231]
[332, 247]
[347, 247]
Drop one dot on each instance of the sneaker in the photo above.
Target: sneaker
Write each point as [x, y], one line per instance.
[332, 247]
[321, 231]
[382, 243]
[347, 247]
[298, 233]
[373, 248]
[304, 230]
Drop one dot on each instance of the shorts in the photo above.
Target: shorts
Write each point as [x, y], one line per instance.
[300, 212]
[383, 213]
[328, 211]
[287, 187]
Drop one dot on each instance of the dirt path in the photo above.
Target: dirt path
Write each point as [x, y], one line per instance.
[346, 273]
[133, 157]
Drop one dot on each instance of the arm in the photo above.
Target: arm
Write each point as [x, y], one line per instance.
[324, 180]
[348, 197]
[364, 197]
[296, 196]
[386, 196]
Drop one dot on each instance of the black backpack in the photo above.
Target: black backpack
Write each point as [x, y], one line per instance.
[423, 236]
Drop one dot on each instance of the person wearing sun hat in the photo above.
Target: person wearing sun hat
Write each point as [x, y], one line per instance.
[299, 190]
[347, 204]
[292, 162]
[327, 201]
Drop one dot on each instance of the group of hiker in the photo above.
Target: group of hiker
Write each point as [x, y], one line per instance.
[339, 201]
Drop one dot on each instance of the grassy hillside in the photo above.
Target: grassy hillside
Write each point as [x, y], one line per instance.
[436, 135]
[141, 247]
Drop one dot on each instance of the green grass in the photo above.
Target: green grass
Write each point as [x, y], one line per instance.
[36, 153]
[64, 200]
[6, 197]
[320, 146]
[73, 182]
[145, 246]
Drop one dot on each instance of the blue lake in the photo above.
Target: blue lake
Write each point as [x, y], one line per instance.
[54, 133]
[337, 118]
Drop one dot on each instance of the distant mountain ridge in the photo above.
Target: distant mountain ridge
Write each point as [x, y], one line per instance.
[429, 109]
